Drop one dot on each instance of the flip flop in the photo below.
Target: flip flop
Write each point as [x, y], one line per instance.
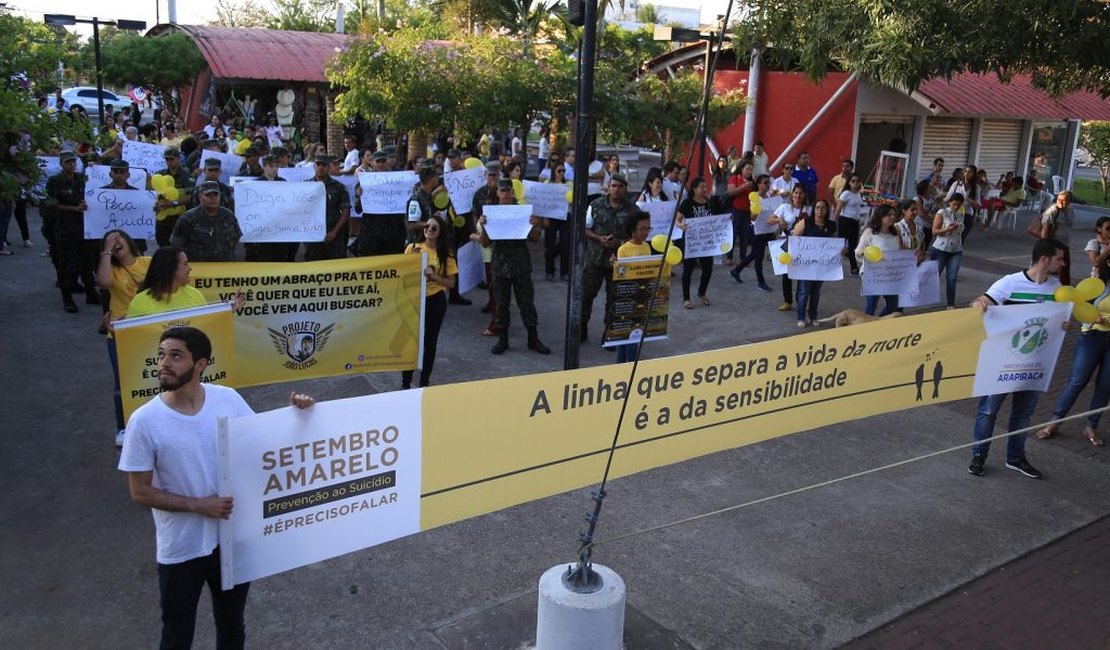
[687, 304]
[705, 301]
[1046, 433]
[1092, 437]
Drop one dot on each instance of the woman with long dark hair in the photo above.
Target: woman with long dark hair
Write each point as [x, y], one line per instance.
[695, 206]
[809, 291]
[740, 186]
[881, 234]
[166, 285]
[441, 273]
[849, 205]
[653, 187]
[760, 237]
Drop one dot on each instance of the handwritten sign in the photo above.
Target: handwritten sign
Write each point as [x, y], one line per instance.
[297, 174]
[386, 192]
[811, 258]
[462, 185]
[101, 175]
[507, 221]
[151, 157]
[896, 273]
[547, 199]
[349, 183]
[281, 212]
[708, 236]
[661, 214]
[768, 206]
[928, 287]
[471, 269]
[229, 164]
[131, 211]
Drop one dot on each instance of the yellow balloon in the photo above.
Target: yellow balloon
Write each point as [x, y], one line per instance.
[440, 200]
[873, 254]
[1085, 312]
[518, 190]
[784, 258]
[459, 221]
[570, 196]
[674, 256]
[1089, 288]
[472, 163]
[726, 247]
[756, 201]
[1064, 294]
[158, 182]
[171, 193]
[659, 242]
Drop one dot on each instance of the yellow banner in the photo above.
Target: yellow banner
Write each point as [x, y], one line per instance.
[546, 434]
[137, 349]
[318, 319]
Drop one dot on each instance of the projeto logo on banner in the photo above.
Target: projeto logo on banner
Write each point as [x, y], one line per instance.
[299, 341]
[1022, 345]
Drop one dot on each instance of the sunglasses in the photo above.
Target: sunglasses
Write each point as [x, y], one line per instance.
[560, 171]
[431, 229]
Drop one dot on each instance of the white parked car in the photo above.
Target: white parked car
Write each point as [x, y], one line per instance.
[85, 96]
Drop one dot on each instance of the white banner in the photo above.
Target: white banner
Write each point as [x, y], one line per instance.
[896, 273]
[462, 185]
[235, 180]
[547, 199]
[1022, 346]
[928, 287]
[131, 211]
[661, 213]
[708, 236]
[151, 157]
[471, 268]
[812, 258]
[349, 182]
[229, 164]
[768, 207]
[507, 221]
[297, 174]
[386, 192]
[281, 212]
[101, 175]
[314, 484]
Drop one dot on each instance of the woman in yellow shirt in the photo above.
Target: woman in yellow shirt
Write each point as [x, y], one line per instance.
[441, 274]
[121, 271]
[166, 286]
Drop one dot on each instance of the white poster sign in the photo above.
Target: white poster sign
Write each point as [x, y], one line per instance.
[151, 157]
[813, 258]
[281, 212]
[708, 236]
[896, 273]
[462, 185]
[349, 183]
[314, 484]
[229, 164]
[1022, 345]
[547, 199]
[101, 175]
[507, 221]
[928, 287]
[471, 268]
[768, 207]
[661, 214]
[386, 192]
[297, 174]
[131, 211]
[774, 249]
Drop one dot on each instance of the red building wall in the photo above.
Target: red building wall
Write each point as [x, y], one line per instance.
[787, 102]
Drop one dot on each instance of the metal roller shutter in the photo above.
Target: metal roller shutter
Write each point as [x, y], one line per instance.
[999, 147]
[948, 138]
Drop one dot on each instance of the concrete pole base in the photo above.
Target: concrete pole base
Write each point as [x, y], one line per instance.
[580, 621]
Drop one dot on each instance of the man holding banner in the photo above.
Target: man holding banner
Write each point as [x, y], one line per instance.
[338, 211]
[169, 454]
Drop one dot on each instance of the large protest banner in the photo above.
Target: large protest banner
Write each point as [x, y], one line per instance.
[137, 350]
[297, 174]
[386, 192]
[101, 175]
[281, 212]
[547, 199]
[143, 155]
[661, 214]
[641, 296]
[462, 185]
[896, 273]
[1021, 348]
[708, 236]
[813, 258]
[131, 211]
[319, 319]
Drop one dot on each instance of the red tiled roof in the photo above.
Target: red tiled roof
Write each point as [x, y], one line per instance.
[262, 54]
[985, 95]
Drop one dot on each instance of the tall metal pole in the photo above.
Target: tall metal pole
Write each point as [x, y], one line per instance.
[99, 76]
[702, 135]
[582, 130]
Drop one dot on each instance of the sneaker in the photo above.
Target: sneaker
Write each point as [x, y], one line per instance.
[736, 275]
[786, 306]
[27, 243]
[119, 437]
[976, 466]
[1024, 467]
[6, 251]
[801, 324]
[762, 286]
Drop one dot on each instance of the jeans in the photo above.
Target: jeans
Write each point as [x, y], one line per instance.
[948, 264]
[1021, 411]
[743, 233]
[809, 294]
[180, 586]
[848, 229]
[871, 304]
[1093, 351]
[755, 257]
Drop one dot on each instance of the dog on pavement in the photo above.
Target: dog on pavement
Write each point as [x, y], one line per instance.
[854, 317]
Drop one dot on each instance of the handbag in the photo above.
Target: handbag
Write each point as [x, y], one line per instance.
[1034, 228]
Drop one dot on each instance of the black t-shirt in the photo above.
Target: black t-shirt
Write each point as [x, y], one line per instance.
[691, 209]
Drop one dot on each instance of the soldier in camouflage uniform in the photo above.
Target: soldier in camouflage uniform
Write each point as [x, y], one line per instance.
[334, 246]
[184, 182]
[420, 205]
[604, 226]
[212, 168]
[512, 273]
[65, 203]
[210, 232]
[381, 234]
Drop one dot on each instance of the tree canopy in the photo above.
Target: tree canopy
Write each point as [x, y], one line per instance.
[162, 64]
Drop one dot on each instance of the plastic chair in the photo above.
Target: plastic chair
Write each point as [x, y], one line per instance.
[1012, 215]
[1057, 185]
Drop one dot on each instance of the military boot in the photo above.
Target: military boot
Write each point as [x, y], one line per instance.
[534, 342]
[502, 342]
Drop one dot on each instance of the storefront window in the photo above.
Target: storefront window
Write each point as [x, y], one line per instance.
[1047, 152]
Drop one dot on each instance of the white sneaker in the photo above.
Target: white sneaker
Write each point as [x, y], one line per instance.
[27, 244]
[119, 437]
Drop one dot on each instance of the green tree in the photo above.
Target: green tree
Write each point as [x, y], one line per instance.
[525, 17]
[901, 43]
[302, 15]
[240, 14]
[1095, 138]
[649, 14]
[162, 63]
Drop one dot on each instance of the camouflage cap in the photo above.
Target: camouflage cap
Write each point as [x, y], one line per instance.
[210, 187]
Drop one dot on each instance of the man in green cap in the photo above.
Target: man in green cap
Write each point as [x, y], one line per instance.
[338, 211]
[65, 204]
[604, 234]
[212, 168]
[209, 232]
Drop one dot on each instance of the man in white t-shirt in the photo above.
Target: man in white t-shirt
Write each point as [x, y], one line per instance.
[169, 453]
[352, 159]
[1038, 283]
[783, 185]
